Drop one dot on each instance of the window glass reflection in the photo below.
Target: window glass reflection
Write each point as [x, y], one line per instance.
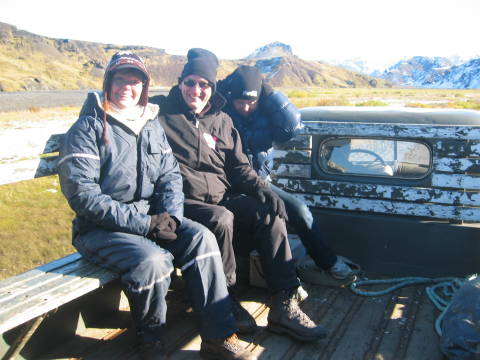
[377, 157]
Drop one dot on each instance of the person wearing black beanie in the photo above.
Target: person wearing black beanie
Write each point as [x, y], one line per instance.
[223, 192]
[201, 62]
[264, 116]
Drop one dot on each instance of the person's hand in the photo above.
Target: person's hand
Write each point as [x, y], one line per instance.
[162, 227]
[267, 195]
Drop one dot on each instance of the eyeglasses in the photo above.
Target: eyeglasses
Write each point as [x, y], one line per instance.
[202, 84]
[124, 82]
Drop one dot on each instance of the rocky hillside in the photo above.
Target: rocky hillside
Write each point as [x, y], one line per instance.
[282, 68]
[32, 62]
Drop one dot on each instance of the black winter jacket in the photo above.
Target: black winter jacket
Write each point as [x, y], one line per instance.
[208, 149]
[116, 183]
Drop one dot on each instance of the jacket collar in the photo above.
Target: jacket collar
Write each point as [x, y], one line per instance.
[93, 106]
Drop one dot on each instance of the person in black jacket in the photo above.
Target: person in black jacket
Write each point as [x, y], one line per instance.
[119, 175]
[224, 193]
[263, 116]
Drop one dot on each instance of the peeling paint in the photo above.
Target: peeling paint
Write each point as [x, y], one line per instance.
[393, 207]
[292, 156]
[293, 170]
[471, 166]
[382, 192]
[393, 130]
[457, 148]
[456, 181]
[302, 141]
[455, 187]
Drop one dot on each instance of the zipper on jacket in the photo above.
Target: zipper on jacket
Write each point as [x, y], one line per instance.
[199, 143]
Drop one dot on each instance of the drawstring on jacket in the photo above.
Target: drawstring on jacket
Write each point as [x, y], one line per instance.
[105, 106]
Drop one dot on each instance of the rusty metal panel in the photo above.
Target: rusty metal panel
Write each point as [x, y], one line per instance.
[456, 181]
[393, 130]
[379, 191]
[293, 170]
[471, 166]
[292, 156]
[392, 207]
[302, 141]
[457, 148]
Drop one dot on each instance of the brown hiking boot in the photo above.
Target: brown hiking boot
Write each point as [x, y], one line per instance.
[228, 349]
[286, 317]
[245, 322]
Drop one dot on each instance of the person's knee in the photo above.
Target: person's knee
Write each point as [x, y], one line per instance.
[208, 239]
[304, 214]
[157, 262]
[202, 240]
[223, 219]
[153, 267]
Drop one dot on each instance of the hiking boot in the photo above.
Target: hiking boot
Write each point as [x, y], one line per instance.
[340, 270]
[245, 322]
[343, 272]
[228, 349]
[286, 317]
[152, 350]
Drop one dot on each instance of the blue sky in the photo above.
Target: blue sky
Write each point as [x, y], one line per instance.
[379, 31]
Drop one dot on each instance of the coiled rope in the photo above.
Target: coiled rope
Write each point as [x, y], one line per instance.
[440, 294]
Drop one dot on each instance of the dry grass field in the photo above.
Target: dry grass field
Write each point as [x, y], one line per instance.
[35, 221]
[420, 98]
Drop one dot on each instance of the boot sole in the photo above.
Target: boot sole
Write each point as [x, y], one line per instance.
[279, 329]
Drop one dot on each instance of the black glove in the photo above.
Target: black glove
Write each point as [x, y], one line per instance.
[162, 227]
[267, 195]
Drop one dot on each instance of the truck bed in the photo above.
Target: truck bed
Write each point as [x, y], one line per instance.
[399, 325]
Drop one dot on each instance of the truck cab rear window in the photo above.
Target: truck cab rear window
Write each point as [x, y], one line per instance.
[375, 157]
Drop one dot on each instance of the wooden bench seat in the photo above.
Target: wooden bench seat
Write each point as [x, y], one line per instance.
[35, 293]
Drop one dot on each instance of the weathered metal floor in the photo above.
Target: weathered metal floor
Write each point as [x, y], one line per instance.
[395, 326]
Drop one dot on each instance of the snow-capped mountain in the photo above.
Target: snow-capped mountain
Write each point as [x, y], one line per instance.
[418, 71]
[281, 67]
[464, 76]
[360, 65]
[434, 72]
[275, 49]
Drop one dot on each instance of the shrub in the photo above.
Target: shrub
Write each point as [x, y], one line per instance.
[372, 103]
[321, 102]
[469, 104]
[298, 94]
[418, 105]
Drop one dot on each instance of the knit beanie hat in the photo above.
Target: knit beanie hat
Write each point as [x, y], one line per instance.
[201, 62]
[245, 83]
[127, 60]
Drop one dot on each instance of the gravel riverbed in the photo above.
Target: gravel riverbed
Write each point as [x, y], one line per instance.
[24, 100]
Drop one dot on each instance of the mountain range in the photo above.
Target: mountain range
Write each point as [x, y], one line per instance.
[434, 72]
[33, 62]
[424, 72]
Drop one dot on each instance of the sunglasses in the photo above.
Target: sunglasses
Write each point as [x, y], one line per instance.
[202, 84]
